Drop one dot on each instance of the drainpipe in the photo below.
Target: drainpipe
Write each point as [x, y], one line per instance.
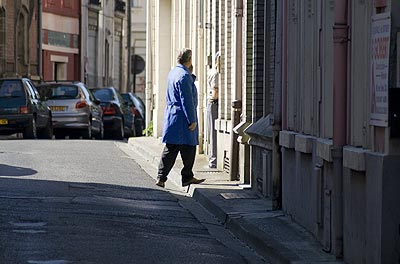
[277, 113]
[129, 44]
[40, 41]
[237, 91]
[16, 12]
[149, 65]
[284, 64]
[340, 37]
[200, 26]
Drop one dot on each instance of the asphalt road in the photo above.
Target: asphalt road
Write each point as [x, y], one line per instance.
[87, 201]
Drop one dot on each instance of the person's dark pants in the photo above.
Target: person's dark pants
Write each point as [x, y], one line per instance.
[168, 159]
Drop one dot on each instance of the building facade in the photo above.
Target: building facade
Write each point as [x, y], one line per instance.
[338, 139]
[104, 43]
[60, 21]
[308, 112]
[18, 38]
[138, 47]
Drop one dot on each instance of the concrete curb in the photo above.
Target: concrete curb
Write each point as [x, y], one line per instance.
[247, 232]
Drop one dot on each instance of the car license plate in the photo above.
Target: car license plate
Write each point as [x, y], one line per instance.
[58, 108]
[3, 121]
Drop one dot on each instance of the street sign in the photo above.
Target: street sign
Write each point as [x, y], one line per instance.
[137, 64]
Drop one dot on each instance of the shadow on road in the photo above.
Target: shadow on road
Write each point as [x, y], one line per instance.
[7, 170]
[77, 222]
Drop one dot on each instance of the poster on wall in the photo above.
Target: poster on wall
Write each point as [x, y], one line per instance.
[380, 37]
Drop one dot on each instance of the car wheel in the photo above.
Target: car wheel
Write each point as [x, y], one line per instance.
[30, 132]
[119, 132]
[87, 134]
[47, 132]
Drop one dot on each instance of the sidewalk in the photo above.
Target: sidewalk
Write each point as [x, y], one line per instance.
[270, 233]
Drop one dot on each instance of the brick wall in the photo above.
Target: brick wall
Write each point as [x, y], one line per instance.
[30, 68]
[70, 8]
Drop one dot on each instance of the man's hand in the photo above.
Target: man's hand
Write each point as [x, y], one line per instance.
[192, 126]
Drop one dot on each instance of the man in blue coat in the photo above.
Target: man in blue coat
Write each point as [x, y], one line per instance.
[180, 132]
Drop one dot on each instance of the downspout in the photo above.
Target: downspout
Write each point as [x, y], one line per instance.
[149, 70]
[16, 12]
[129, 44]
[237, 91]
[284, 64]
[277, 112]
[40, 41]
[201, 73]
[340, 37]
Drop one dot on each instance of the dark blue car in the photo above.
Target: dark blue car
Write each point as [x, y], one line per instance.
[117, 117]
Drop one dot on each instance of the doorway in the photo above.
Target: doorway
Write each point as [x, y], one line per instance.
[60, 64]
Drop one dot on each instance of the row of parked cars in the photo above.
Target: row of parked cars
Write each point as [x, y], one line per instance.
[68, 109]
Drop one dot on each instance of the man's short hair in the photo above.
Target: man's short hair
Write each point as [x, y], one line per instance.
[184, 55]
[216, 57]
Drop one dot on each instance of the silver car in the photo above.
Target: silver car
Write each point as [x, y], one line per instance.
[75, 110]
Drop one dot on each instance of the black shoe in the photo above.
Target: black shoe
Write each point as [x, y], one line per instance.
[160, 183]
[192, 181]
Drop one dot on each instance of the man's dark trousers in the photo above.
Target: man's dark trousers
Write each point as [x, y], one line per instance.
[168, 159]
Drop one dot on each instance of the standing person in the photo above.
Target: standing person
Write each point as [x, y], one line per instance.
[212, 110]
[180, 131]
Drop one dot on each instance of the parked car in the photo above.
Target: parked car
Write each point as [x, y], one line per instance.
[75, 110]
[22, 110]
[118, 118]
[137, 107]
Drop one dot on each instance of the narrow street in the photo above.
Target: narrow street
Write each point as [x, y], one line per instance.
[86, 201]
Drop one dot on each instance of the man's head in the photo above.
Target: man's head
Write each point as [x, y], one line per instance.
[217, 59]
[185, 57]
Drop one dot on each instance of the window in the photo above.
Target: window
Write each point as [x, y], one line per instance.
[135, 3]
[22, 38]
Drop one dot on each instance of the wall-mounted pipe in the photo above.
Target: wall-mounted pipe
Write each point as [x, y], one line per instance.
[340, 37]
[201, 72]
[149, 65]
[284, 64]
[237, 90]
[40, 41]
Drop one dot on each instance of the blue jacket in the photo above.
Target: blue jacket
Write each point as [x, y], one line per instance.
[180, 111]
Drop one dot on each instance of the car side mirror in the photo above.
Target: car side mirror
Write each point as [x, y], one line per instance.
[97, 101]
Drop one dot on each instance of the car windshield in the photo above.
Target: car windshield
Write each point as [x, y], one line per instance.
[59, 92]
[104, 95]
[11, 89]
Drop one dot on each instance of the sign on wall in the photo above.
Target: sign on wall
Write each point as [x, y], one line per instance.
[380, 37]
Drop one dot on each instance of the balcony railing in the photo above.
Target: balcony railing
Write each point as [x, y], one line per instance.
[120, 6]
